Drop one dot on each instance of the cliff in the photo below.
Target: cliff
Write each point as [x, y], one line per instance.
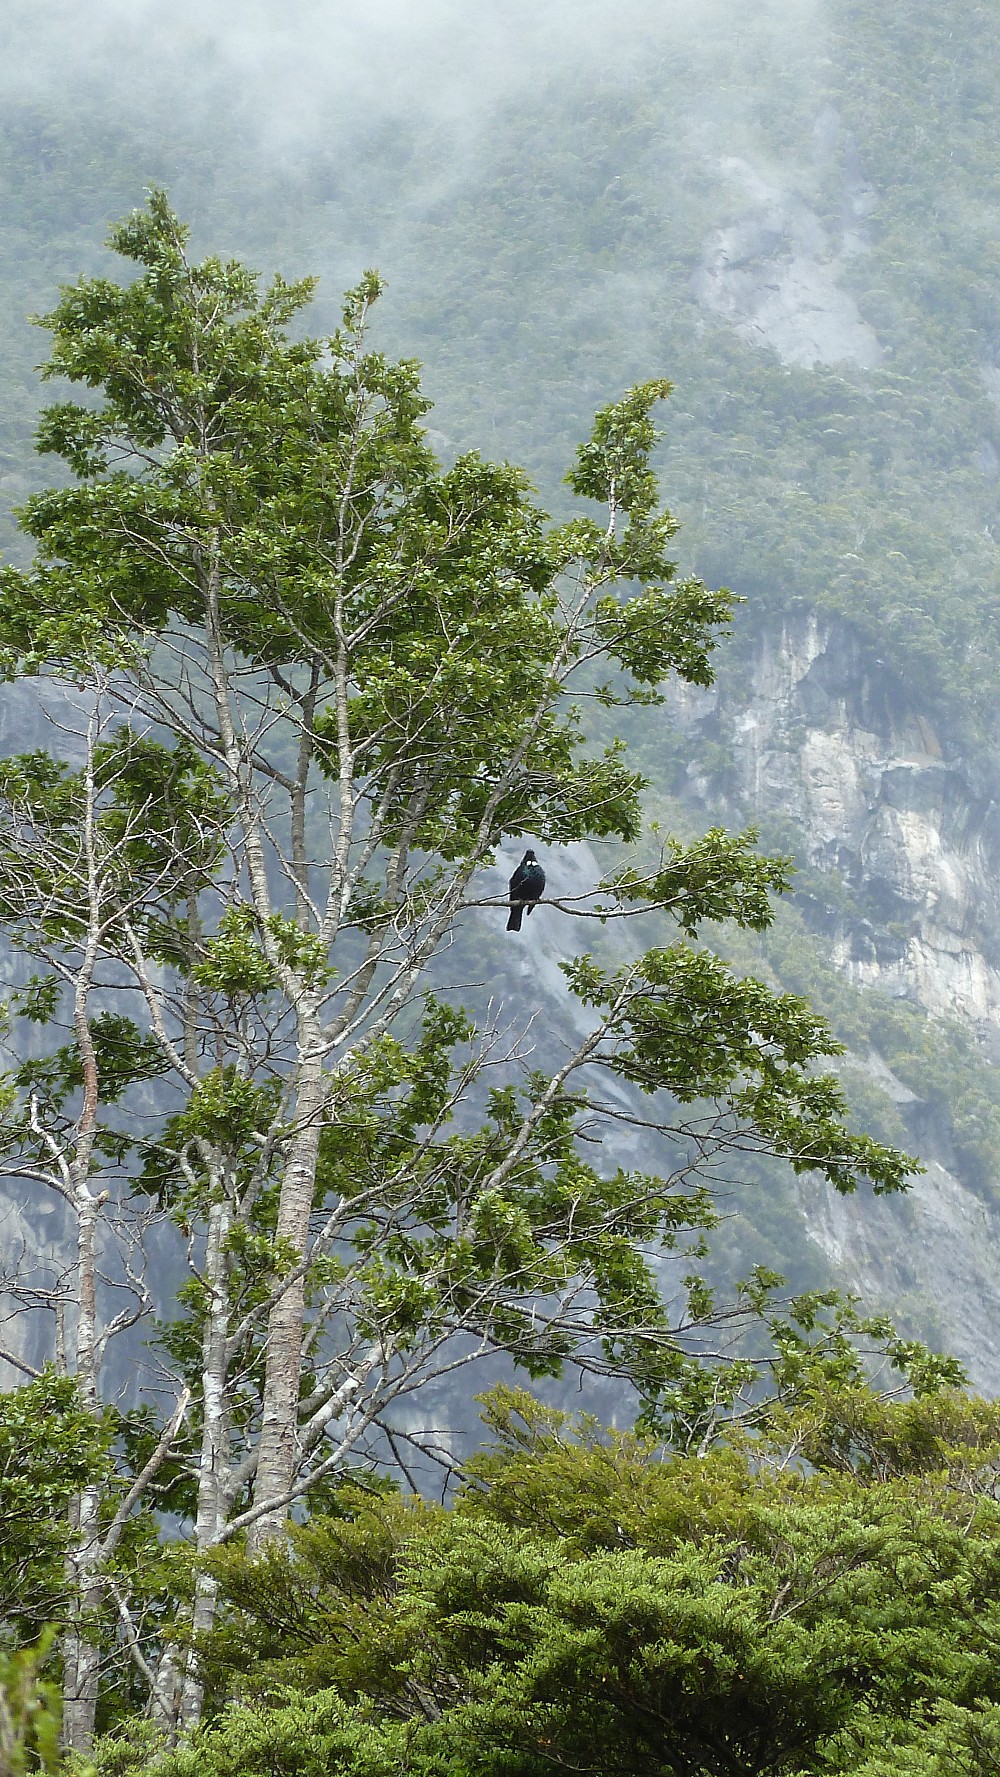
[897, 832]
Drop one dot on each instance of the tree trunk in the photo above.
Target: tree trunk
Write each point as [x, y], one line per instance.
[179, 1694]
[214, 1468]
[278, 1450]
[81, 1654]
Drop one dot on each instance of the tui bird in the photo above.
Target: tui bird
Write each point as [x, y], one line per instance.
[525, 887]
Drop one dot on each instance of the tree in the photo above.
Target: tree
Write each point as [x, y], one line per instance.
[51, 1448]
[64, 882]
[29, 1715]
[595, 1604]
[322, 678]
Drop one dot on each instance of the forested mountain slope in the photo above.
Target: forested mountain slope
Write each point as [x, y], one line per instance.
[792, 215]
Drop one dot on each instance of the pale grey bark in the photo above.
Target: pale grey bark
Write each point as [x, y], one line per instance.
[278, 1449]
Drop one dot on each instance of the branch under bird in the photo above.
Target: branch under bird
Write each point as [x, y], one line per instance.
[526, 886]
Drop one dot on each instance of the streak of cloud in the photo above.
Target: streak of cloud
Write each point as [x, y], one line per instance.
[289, 63]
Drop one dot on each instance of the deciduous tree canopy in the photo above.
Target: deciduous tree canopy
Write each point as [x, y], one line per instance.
[313, 681]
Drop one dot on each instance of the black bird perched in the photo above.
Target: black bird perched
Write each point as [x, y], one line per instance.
[525, 887]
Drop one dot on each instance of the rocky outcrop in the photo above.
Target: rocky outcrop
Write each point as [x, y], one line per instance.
[831, 741]
[931, 1259]
[773, 274]
[822, 733]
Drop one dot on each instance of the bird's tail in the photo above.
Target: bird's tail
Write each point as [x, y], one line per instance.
[514, 917]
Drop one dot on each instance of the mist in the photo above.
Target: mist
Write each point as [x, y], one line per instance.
[287, 63]
[265, 93]
[457, 149]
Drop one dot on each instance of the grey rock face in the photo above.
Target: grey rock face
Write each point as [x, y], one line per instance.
[830, 740]
[934, 1254]
[773, 275]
